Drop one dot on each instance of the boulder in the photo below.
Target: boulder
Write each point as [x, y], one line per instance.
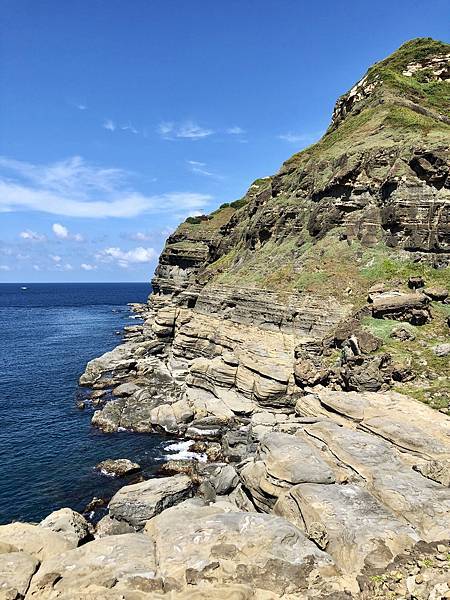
[40, 542]
[118, 467]
[109, 526]
[441, 349]
[137, 503]
[403, 307]
[224, 479]
[16, 571]
[125, 389]
[69, 524]
[436, 293]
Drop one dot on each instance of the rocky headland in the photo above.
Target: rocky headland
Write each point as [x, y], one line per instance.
[297, 342]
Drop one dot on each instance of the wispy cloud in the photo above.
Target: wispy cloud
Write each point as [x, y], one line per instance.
[74, 188]
[109, 125]
[63, 233]
[126, 257]
[5, 268]
[129, 127]
[140, 236]
[81, 106]
[170, 130]
[235, 130]
[295, 138]
[199, 168]
[88, 267]
[55, 258]
[33, 236]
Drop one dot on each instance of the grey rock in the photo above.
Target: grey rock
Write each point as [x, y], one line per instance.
[137, 503]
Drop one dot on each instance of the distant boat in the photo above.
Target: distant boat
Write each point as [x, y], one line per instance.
[24, 287]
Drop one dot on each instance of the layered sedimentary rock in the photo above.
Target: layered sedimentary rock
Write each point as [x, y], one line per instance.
[291, 338]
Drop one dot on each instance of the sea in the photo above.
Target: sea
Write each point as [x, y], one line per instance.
[48, 448]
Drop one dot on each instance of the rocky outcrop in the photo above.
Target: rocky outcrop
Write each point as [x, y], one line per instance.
[279, 333]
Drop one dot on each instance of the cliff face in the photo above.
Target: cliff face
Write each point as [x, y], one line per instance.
[368, 204]
[279, 333]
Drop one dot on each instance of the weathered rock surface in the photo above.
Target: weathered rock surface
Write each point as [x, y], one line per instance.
[218, 545]
[41, 543]
[124, 563]
[16, 571]
[137, 503]
[69, 524]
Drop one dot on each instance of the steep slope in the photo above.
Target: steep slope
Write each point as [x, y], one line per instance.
[367, 204]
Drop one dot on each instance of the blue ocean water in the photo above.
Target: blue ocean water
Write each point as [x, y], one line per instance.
[47, 446]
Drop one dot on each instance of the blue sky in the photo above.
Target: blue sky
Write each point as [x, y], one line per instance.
[120, 118]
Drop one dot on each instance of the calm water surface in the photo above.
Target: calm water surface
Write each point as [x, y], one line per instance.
[47, 447]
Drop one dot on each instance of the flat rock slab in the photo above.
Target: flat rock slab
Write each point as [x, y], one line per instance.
[351, 524]
[137, 503]
[293, 460]
[122, 562]
[407, 423]
[422, 502]
[201, 545]
[16, 571]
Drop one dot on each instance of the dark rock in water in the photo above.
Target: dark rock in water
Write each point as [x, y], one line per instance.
[81, 404]
[95, 504]
[118, 467]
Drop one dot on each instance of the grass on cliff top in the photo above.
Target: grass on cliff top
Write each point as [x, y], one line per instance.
[415, 50]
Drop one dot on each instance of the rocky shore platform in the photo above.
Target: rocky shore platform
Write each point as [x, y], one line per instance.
[296, 342]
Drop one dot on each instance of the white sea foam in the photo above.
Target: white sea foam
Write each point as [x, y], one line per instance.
[182, 452]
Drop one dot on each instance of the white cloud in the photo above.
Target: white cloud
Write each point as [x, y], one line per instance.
[125, 257]
[81, 106]
[32, 235]
[235, 130]
[109, 125]
[140, 236]
[55, 258]
[73, 188]
[87, 267]
[60, 231]
[5, 268]
[199, 169]
[63, 233]
[188, 130]
[36, 267]
[64, 267]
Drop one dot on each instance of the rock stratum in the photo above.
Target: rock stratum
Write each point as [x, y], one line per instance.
[297, 341]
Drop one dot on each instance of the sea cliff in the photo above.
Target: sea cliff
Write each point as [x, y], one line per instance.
[297, 341]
